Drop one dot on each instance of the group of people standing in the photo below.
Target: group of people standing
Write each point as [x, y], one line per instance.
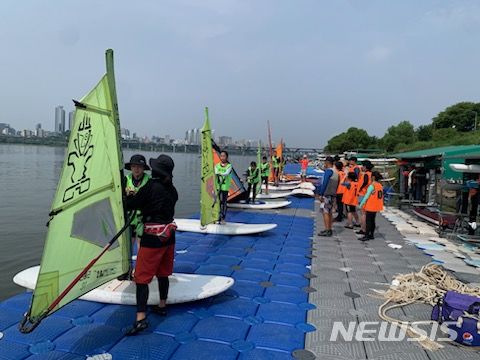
[346, 188]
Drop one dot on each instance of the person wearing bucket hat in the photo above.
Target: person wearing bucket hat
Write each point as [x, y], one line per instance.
[136, 179]
[155, 257]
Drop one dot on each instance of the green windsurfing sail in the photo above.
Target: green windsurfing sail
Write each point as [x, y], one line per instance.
[209, 205]
[87, 213]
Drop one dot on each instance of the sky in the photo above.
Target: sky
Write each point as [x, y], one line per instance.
[312, 68]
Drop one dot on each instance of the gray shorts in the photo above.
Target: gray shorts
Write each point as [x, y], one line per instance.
[303, 172]
[328, 202]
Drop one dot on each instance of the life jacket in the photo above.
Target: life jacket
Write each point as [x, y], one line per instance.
[252, 175]
[265, 169]
[341, 179]
[374, 202]
[363, 191]
[332, 185]
[275, 162]
[224, 176]
[136, 222]
[304, 164]
[350, 196]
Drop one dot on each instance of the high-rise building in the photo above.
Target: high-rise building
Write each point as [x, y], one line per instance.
[225, 140]
[38, 126]
[59, 119]
[70, 120]
[196, 139]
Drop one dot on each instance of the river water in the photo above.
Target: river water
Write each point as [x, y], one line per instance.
[28, 179]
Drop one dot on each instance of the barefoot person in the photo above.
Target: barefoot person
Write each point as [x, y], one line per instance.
[156, 199]
[223, 172]
[372, 203]
[134, 181]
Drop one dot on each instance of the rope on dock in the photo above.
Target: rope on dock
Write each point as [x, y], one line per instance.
[428, 286]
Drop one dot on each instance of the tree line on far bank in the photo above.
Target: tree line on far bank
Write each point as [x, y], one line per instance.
[458, 124]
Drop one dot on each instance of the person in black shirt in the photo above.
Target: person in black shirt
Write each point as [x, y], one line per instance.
[156, 200]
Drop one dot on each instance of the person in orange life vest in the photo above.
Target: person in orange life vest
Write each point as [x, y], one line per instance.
[156, 200]
[371, 204]
[364, 181]
[353, 166]
[303, 168]
[340, 190]
[350, 199]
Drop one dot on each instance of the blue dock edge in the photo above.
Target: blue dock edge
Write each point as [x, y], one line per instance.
[263, 316]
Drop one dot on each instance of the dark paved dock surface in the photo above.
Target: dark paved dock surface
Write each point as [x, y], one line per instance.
[346, 269]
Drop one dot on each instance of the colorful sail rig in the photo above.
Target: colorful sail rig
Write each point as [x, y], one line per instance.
[86, 244]
[209, 202]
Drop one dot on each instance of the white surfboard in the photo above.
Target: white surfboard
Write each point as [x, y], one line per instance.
[291, 182]
[260, 205]
[230, 228]
[471, 169]
[307, 185]
[280, 187]
[183, 288]
[303, 193]
[274, 195]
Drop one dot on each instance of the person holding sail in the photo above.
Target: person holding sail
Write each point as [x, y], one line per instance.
[156, 200]
[223, 176]
[134, 181]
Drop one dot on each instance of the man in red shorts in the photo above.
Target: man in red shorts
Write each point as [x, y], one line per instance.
[156, 200]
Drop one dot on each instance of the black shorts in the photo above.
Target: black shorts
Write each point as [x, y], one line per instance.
[265, 179]
[351, 208]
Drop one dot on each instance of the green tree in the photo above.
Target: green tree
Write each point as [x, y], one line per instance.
[424, 132]
[403, 133]
[460, 116]
[353, 139]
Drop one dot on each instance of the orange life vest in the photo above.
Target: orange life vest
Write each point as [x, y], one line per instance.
[361, 180]
[374, 202]
[350, 196]
[341, 179]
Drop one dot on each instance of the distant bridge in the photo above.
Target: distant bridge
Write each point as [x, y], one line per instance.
[237, 150]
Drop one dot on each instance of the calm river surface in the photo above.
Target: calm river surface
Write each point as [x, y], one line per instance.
[28, 180]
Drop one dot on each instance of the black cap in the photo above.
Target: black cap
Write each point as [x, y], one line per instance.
[137, 159]
[329, 159]
[377, 175]
[163, 165]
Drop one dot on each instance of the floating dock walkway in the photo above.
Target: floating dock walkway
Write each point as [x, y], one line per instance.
[263, 316]
[290, 287]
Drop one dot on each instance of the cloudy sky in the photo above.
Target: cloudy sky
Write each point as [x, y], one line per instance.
[313, 68]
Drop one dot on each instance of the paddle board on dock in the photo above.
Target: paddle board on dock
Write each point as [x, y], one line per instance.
[183, 288]
[260, 205]
[230, 228]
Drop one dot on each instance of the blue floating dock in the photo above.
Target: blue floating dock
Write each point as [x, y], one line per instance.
[263, 316]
